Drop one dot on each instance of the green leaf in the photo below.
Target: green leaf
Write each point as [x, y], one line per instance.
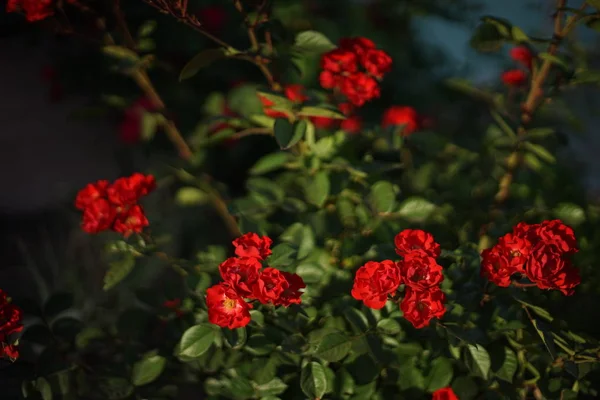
[570, 213]
[383, 196]
[147, 370]
[150, 124]
[532, 162]
[389, 326]
[278, 100]
[334, 347]
[503, 124]
[44, 388]
[121, 53]
[416, 209]
[478, 360]
[466, 388]
[58, 303]
[440, 374]
[118, 271]
[502, 25]
[540, 152]
[266, 188]
[191, 196]
[539, 133]
[554, 60]
[518, 35]
[199, 61]
[508, 366]
[271, 162]
[318, 189]
[147, 29]
[539, 311]
[487, 38]
[594, 3]
[197, 340]
[281, 256]
[309, 111]
[288, 134]
[235, 338]
[313, 42]
[310, 272]
[116, 388]
[272, 388]
[325, 148]
[357, 320]
[313, 380]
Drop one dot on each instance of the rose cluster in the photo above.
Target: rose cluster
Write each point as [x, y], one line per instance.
[354, 69]
[115, 206]
[516, 76]
[245, 279]
[541, 252]
[418, 271]
[34, 10]
[10, 323]
[297, 95]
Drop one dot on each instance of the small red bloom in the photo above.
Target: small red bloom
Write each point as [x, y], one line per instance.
[352, 124]
[514, 77]
[324, 122]
[128, 190]
[10, 323]
[522, 55]
[360, 88]
[90, 193]
[377, 62]
[357, 45]
[339, 60]
[444, 394]
[226, 308]
[374, 281]
[293, 290]
[34, 10]
[554, 230]
[420, 271]
[550, 269]
[252, 245]
[401, 115]
[132, 220]
[9, 351]
[412, 240]
[420, 307]
[270, 286]
[295, 93]
[98, 216]
[241, 274]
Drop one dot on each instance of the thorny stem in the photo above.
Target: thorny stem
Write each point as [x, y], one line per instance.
[533, 100]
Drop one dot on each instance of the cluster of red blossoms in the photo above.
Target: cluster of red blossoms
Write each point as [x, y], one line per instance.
[10, 323]
[518, 77]
[354, 69]
[115, 206]
[540, 252]
[244, 279]
[296, 94]
[418, 271]
[444, 394]
[34, 10]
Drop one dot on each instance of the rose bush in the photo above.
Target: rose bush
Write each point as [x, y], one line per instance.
[361, 249]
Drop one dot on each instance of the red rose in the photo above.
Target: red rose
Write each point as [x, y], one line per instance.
[90, 193]
[352, 124]
[522, 55]
[9, 351]
[346, 108]
[377, 62]
[444, 394]
[554, 230]
[374, 281]
[339, 61]
[241, 274]
[496, 266]
[548, 268]
[34, 10]
[420, 271]
[295, 93]
[514, 77]
[329, 80]
[324, 122]
[252, 245]
[420, 307]
[226, 308]
[98, 216]
[359, 88]
[357, 45]
[411, 240]
[128, 190]
[10, 319]
[132, 220]
[270, 286]
[293, 290]
[401, 115]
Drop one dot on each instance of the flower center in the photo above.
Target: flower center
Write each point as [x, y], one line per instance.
[229, 304]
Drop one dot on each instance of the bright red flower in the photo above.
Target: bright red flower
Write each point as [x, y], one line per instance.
[444, 394]
[339, 60]
[420, 307]
[10, 323]
[377, 62]
[554, 230]
[360, 88]
[90, 193]
[505, 259]
[514, 77]
[420, 271]
[132, 220]
[295, 92]
[374, 281]
[352, 124]
[324, 122]
[252, 245]
[293, 290]
[270, 286]
[357, 45]
[412, 240]
[226, 308]
[34, 10]
[522, 55]
[548, 268]
[98, 216]
[9, 351]
[241, 274]
[128, 190]
[401, 115]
